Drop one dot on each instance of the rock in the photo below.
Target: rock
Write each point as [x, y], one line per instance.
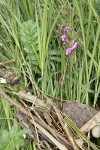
[79, 113]
[9, 76]
[96, 131]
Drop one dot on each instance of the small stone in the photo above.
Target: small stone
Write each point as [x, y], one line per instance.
[96, 131]
[3, 80]
[9, 76]
[79, 113]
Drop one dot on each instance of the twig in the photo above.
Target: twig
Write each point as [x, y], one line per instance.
[30, 98]
[64, 141]
[63, 76]
[7, 62]
[47, 145]
[91, 123]
[22, 109]
[66, 129]
[45, 132]
[35, 129]
[70, 136]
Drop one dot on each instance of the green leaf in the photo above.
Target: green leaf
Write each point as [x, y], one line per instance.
[28, 33]
[9, 140]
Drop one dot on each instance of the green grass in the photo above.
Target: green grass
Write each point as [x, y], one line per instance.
[28, 34]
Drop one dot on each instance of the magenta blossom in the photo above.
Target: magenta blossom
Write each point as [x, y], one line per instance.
[72, 46]
[63, 38]
[60, 28]
[64, 28]
[67, 29]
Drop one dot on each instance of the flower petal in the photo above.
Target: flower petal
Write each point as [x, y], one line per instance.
[74, 46]
[67, 29]
[71, 43]
[60, 28]
[68, 51]
[63, 37]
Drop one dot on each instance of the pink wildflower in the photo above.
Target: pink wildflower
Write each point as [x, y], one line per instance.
[63, 38]
[60, 28]
[72, 46]
[64, 28]
[67, 29]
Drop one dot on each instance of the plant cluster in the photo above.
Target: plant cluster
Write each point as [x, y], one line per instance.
[64, 38]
